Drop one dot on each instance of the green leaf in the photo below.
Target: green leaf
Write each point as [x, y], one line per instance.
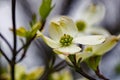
[2, 70]
[72, 58]
[35, 28]
[20, 72]
[117, 68]
[22, 32]
[29, 33]
[62, 75]
[45, 9]
[4, 76]
[0, 54]
[93, 62]
[34, 20]
[35, 74]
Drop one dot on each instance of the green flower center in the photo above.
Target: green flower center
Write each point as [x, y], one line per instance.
[81, 25]
[66, 40]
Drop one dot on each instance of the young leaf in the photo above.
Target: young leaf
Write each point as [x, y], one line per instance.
[34, 20]
[35, 74]
[45, 9]
[21, 32]
[35, 28]
[93, 62]
[62, 75]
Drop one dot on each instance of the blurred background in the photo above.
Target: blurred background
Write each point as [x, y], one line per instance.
[39, 53]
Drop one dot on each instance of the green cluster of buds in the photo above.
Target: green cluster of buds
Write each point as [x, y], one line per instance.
[81, 25]
[66, 40]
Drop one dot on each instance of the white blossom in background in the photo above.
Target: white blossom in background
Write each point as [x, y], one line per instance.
[88, 16]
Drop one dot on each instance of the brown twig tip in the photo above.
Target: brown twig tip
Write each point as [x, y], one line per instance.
[101, 76]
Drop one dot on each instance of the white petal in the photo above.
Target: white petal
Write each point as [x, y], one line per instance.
[97, 31]
[89, 40]
[72, 49]
[68, 26]
[55, 31]
[51, 43]
[106, 46]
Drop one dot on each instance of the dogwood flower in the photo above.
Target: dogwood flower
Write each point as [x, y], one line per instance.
[63, 37]
[98, 50]
[88, 16]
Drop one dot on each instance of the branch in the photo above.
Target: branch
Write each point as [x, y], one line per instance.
[59, 64]
[100, 75]
[79, 70]
[6, 41]
[23, 55]
[43, 24]
[14, 26]
[13, 61]
[27, 44]
[5, 56]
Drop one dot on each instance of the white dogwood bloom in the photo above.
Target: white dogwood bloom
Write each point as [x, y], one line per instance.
[63, 37]
[87, 18]
[99, 50]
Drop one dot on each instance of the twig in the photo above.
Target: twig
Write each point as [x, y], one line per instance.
[43, 24]
[6, 41]
[60, 68]
[50, 68]
[25, 47]
[28, 43]
[60, 63]
[100, 75]
[79, 70]
[3, 53]
[23, 54]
